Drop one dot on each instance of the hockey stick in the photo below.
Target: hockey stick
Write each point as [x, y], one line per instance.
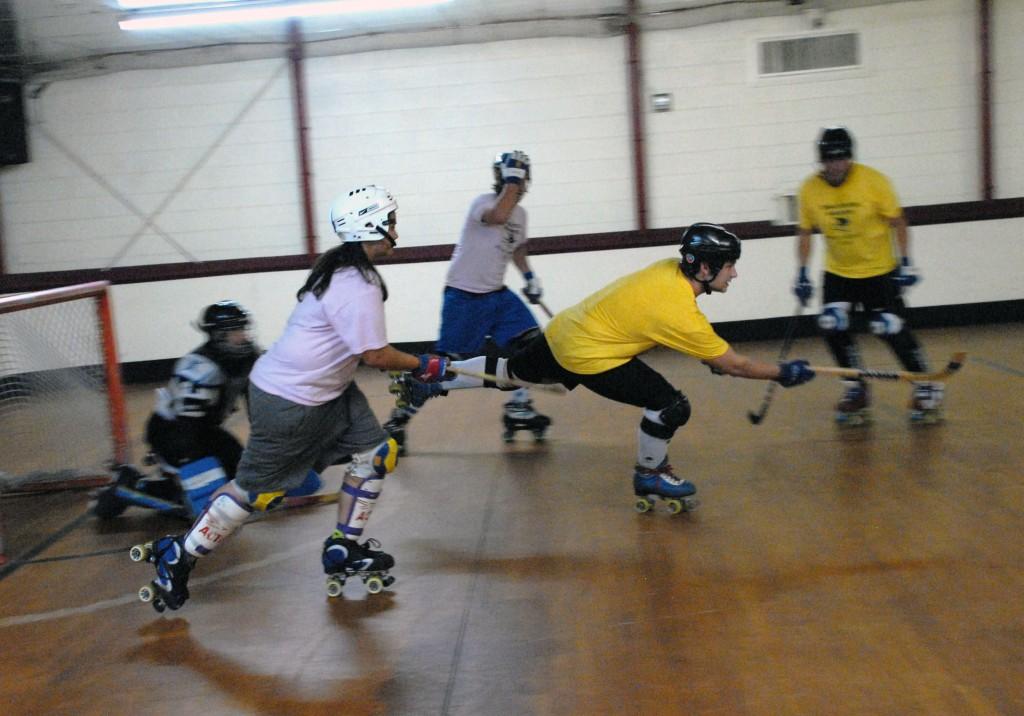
[488, 378]
[543, 306]
[955, 363]
[787, 343]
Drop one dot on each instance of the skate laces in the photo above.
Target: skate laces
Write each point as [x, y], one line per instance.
[663, 471]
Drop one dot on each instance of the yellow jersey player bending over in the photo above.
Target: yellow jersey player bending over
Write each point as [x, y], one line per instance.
[596, 343]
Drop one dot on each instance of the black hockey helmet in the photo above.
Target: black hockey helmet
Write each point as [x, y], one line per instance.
[835, 143]
[710, 244]
[223, 316]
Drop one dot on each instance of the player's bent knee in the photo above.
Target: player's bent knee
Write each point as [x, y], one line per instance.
[834, 318]
[377, 461]
[673, 417]
[884, 323]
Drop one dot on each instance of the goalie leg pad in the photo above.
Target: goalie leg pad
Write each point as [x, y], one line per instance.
[199, 480]
[222, 516]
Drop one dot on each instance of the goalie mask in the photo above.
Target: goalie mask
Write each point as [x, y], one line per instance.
[362, 214]
[220, 319]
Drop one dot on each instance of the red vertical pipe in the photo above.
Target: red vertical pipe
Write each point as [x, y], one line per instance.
[116, 407]
[295, 56]
[635, 78]
[985, 44]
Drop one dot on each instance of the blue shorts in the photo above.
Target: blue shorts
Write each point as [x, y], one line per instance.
[468, 318]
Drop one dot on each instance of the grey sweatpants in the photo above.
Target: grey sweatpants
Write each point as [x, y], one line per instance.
[288, 439]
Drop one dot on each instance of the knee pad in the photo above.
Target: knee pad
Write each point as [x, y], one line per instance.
[834, 317]
[884, 323]
[375, 462]
[675, 416]
[221, 517]
[199, 480]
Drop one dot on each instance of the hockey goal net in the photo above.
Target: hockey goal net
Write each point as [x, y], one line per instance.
[62, 414]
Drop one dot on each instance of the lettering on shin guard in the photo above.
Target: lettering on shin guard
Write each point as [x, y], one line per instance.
[222, 516]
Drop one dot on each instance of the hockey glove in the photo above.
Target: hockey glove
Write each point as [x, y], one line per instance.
[516, 168]
[794, 372]
[906, 275]
[532, 289]
[803, 288]
[433, 368]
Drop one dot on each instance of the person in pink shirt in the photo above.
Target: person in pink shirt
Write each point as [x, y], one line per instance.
[308, 413]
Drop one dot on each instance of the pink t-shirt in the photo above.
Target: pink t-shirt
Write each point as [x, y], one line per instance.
[484, 250]
[315, 359]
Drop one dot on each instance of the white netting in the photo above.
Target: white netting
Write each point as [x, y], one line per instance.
[54, 406]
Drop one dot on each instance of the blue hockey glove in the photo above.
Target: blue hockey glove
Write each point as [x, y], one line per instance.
[433, 368]
[803, 288]
[906, 275]
[532, 289]
[794, 372]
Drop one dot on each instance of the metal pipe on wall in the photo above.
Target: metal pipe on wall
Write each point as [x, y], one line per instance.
[634, 72]
[295, 56]
[985, 101]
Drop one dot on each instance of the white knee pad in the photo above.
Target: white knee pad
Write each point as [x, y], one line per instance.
[885, 324]
[222, 516]
[835, 317]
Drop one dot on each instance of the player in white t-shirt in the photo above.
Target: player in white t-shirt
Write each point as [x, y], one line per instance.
[477, 304]
[306, 410]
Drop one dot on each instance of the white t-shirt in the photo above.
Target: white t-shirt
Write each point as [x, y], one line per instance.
[315, 359]
[484, 250]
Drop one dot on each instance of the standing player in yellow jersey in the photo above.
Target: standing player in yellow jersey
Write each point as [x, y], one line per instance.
[596, 343]
[856, 210]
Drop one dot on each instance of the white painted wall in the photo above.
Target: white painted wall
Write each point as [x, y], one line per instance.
[156, 166]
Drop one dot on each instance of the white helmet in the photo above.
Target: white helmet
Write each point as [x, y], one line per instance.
[362, 214]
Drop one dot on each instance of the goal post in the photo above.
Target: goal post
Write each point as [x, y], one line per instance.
[62, 407]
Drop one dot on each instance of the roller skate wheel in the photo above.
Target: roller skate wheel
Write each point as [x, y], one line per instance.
[334, 586]
[538, 436]
[374, 585]
[147, 594]
[643, 504]
[388, 581]
[674, 506]
[508, 436]
[140, 552]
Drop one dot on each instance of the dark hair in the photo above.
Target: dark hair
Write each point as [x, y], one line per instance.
[346, 254]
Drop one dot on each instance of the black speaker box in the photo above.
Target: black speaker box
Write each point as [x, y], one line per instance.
[13, 133]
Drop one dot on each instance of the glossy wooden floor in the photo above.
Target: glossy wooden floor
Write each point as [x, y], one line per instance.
[860, 571]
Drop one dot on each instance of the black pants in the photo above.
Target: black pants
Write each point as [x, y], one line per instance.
[633, 383]
[179, 442]
[875, 294]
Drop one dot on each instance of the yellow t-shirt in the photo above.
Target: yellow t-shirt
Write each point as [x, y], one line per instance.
[654, 306]
[854, 219]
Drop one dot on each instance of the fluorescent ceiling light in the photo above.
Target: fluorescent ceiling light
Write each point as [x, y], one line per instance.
[258, 12]
[160, 4]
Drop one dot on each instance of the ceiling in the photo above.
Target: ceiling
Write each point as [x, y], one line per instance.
[69, 38]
